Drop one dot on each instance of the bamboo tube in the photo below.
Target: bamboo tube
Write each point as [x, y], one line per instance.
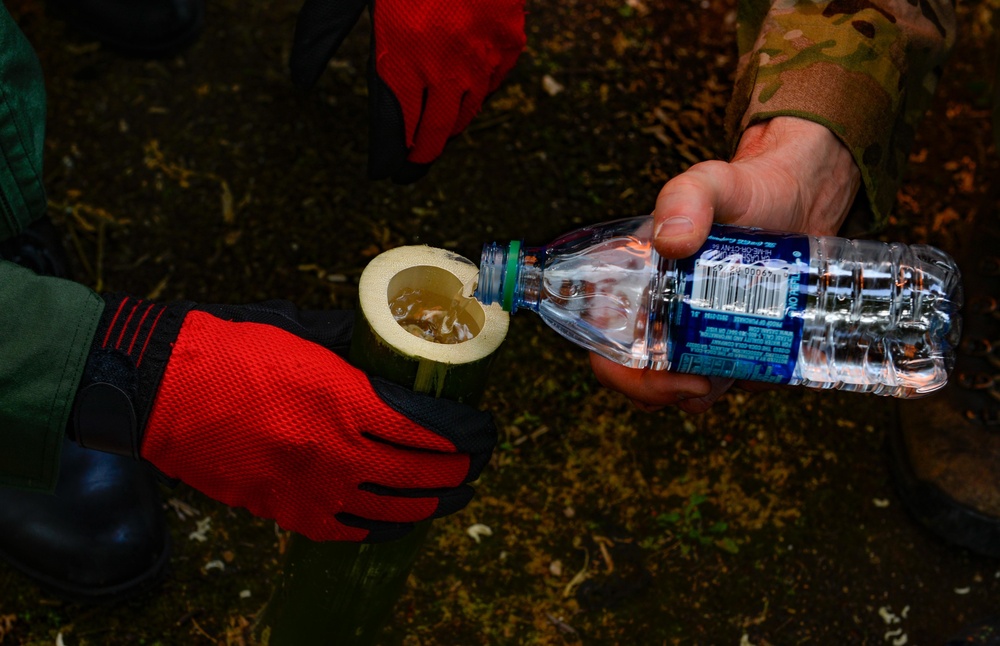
[343, 593]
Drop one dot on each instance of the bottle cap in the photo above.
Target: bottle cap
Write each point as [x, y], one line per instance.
[510, 275]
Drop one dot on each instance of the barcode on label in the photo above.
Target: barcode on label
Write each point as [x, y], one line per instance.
[724, 286]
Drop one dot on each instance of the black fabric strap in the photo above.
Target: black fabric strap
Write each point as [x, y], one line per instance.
[126, 363]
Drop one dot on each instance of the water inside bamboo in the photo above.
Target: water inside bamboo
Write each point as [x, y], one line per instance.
[431, 316]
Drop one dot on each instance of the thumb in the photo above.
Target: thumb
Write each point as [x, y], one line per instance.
[687, 205]
[320, 29]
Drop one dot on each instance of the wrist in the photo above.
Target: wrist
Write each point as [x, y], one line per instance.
[127, 357]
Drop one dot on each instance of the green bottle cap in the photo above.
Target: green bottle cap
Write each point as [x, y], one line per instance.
[510, 275]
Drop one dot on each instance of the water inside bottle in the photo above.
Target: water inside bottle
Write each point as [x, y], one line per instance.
[431, 316]
[882, 318]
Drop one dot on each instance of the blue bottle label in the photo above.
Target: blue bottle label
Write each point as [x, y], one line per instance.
[741, 315]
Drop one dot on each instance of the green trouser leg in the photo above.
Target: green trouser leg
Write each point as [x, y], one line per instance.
[46, 324]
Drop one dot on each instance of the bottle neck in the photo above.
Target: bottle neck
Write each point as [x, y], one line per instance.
[528, 288]
[511, 275]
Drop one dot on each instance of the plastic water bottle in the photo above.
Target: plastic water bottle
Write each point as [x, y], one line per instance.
[822, 312]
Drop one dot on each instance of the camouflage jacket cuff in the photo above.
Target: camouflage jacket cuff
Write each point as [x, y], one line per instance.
[866, 71]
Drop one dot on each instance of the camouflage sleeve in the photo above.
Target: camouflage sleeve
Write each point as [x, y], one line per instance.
[865, 69]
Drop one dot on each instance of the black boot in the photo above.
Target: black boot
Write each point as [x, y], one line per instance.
[945, 454]
[102, 535]
[146, 28]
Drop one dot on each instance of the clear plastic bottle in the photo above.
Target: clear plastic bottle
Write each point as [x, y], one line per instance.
[822, 312]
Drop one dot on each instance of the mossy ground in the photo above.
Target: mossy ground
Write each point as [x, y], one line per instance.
[769, 520]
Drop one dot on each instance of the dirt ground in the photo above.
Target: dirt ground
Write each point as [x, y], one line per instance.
[771, 520]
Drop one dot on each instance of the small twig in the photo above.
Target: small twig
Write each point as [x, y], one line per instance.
[602, 544]
[78, 246]
[560, 624]
[580, 576]
[483, 125]
[201, 630]
[188, 616]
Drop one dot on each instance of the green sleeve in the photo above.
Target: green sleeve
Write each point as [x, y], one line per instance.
[46, 328]
[46, 324]
[866, 69]
[22, 130]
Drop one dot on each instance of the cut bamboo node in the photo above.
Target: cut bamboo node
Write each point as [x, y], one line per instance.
[443, 274]
[382, 346]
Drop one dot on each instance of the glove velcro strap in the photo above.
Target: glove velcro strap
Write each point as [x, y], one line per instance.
[126, 363]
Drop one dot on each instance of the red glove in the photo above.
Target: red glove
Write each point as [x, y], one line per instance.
[433, 64]
[249, 405]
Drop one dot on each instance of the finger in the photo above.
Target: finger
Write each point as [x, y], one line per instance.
[472, 103]
[757, 386]
[649, 389]
[408, 172]
[686, 207]
[320, 29]
[501, 71]
[387, 149]
[434, 503]
[401, 468]
[376, 531]
[437, 120]
[364, 504]
[698, 405]
[453, 501]
[448, 424]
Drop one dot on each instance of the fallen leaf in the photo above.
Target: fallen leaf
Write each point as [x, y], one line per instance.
[552, 86]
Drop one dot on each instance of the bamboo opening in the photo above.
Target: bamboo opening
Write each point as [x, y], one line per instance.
[430, 302]
[438, 275]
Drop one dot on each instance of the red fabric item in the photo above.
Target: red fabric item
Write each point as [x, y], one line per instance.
[456, 53]
[256, 417]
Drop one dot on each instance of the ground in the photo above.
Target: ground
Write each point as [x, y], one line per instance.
[771, 520]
